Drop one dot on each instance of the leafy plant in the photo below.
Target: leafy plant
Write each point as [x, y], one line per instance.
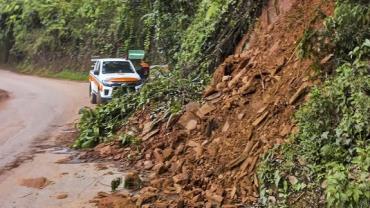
[127, 139]
[345, 30]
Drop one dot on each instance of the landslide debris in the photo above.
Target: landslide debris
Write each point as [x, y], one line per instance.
[208, 156]
[37, 183]
[104, 200]
[62, 196]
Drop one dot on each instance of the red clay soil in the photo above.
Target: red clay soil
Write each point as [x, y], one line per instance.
[104, 200]
[208, 157]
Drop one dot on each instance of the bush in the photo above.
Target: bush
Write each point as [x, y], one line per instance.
[344, 31]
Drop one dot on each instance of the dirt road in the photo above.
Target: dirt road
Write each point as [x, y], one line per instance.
[37, 113]
[35, 106]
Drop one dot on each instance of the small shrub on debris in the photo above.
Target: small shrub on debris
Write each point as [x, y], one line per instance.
[344, 31]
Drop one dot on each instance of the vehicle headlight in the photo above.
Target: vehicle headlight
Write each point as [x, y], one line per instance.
[107, 83]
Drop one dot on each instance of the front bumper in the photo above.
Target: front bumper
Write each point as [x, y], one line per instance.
[107, 92]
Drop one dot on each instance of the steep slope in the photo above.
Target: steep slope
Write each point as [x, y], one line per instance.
[209, 155]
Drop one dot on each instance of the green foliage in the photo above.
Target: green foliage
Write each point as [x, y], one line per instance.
[208, 16]
[127, 139]
[340, 28]
[348, 186]
[333, 141]
[63, 74]
[169, 21]
[76, 29]
[166, 92]
[190, 35]
[115, 183]
[330, 153]
[215, 31]
[348, 28]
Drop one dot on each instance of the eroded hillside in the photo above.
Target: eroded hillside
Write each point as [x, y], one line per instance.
[208, 156]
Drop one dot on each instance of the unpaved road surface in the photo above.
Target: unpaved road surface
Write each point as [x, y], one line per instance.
[37, 114]
[36, 106]
[79, 182]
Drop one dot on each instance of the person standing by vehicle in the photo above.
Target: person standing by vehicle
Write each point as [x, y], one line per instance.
[145, 68]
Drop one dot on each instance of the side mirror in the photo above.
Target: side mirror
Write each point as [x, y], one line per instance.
[96, 72]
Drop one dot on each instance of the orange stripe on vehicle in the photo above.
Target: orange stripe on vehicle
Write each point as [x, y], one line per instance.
[93, 79]
[123, 80]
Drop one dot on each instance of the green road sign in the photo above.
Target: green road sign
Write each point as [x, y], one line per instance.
[136, 54]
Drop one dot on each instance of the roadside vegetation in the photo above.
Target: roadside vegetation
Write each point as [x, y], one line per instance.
[327, 162]
[66, 74]
[65, 34]
[167, 92]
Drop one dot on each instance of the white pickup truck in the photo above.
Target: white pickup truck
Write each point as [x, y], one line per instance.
[109, 74]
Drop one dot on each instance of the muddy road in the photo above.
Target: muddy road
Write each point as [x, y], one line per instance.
[34, 108]
[35, 116]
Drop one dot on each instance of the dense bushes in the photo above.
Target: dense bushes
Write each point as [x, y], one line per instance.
[216, 29]
[44, 31]
[329, 156]
[192, 34]
[347, 29]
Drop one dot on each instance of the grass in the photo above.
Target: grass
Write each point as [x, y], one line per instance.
[66, 74]
[71, 75]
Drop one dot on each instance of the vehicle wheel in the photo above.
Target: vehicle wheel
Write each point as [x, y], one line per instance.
[92, 97]
[98, 99]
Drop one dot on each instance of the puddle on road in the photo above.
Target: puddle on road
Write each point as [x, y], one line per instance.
[62, 150]
[72, 156]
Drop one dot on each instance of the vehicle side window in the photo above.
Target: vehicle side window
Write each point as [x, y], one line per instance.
[97, 67]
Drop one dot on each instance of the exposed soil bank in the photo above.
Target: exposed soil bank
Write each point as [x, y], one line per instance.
[209, 157]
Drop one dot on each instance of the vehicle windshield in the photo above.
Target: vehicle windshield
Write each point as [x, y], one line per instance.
[110, 67]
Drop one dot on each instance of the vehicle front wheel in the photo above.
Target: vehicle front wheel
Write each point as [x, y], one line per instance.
[93, 98]
[99, 99]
